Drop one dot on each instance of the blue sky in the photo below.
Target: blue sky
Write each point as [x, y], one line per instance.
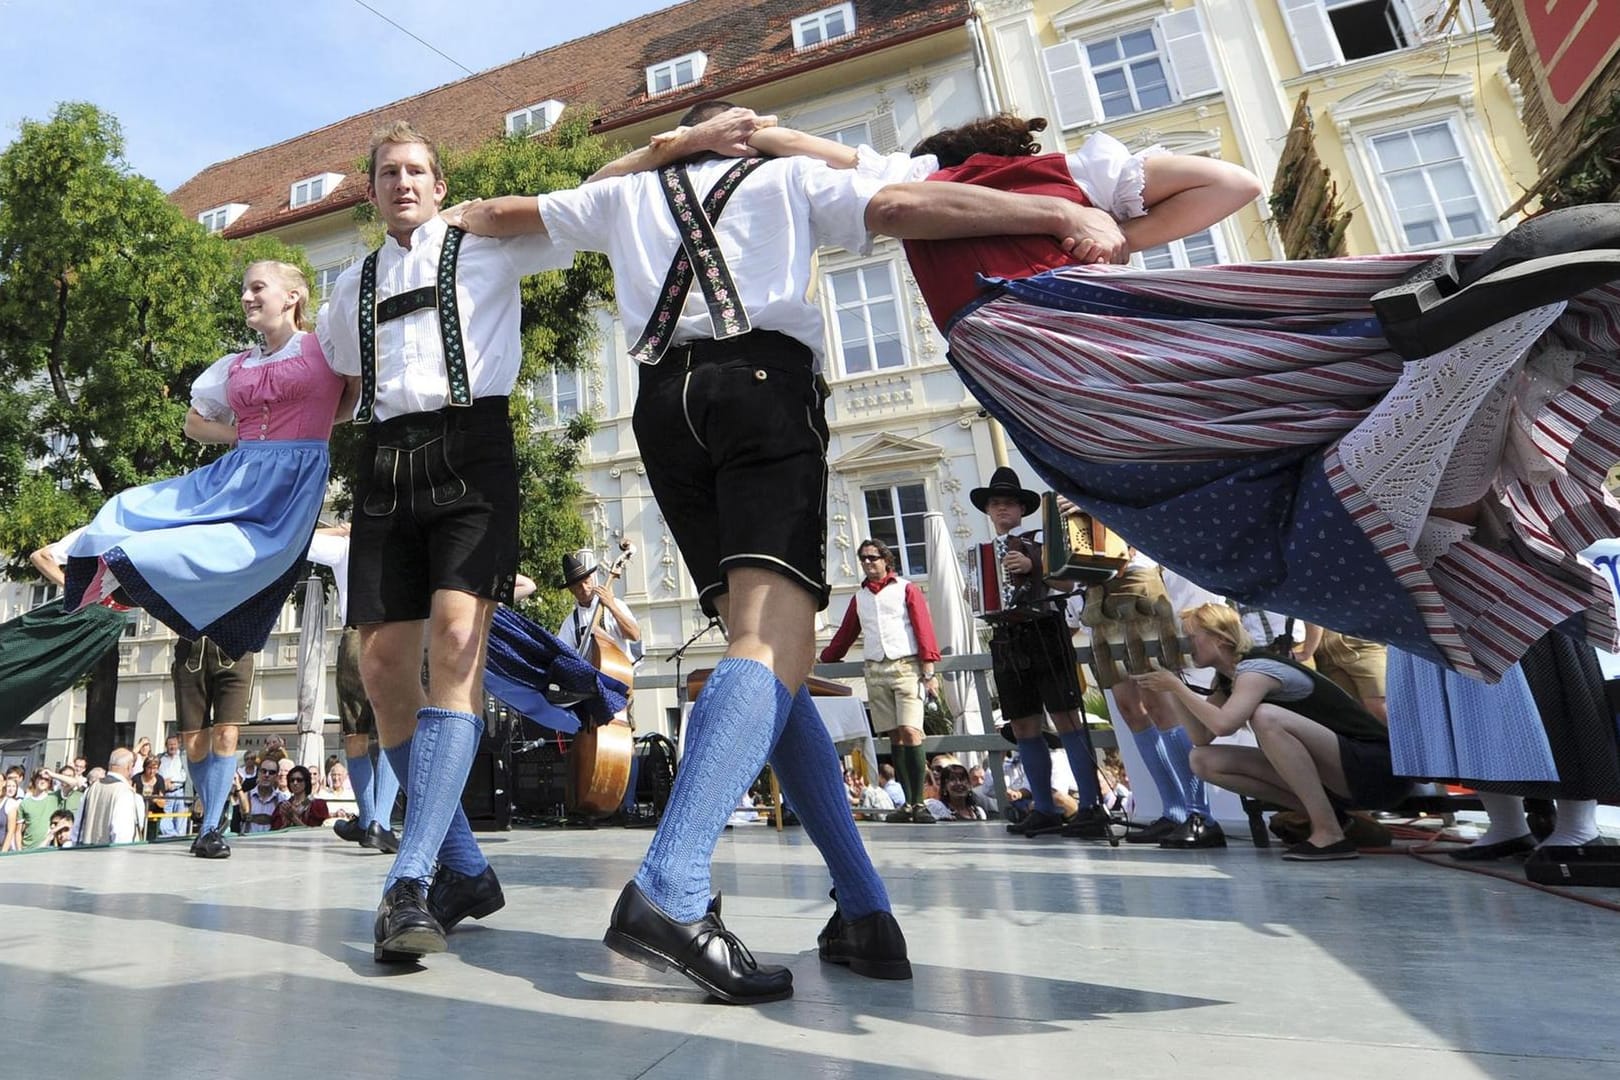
[193, 82]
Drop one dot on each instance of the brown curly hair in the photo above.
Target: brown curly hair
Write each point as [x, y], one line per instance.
[1004, 135]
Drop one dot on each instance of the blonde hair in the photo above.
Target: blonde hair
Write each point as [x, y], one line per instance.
[293, 280]
[1220, 621]
[400, 131]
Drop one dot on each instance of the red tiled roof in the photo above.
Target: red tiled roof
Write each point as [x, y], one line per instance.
[747, 42]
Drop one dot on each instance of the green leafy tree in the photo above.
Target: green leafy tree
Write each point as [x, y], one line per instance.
[559, 334]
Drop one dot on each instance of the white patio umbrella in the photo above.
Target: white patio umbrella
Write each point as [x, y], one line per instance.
[953, 623]
[312, 678]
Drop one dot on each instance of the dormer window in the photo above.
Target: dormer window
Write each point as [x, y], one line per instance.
[820, 27]
[534, 119]
[676, 73]
[221, 216]
[313, 189]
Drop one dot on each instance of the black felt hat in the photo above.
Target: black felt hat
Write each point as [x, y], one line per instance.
[1005, 482]
[578, 565]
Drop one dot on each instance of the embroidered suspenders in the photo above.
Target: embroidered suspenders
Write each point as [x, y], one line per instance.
[699, 248]
[442, 296]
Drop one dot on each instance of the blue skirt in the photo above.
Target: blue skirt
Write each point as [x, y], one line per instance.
[1444, 726]
[214, 552]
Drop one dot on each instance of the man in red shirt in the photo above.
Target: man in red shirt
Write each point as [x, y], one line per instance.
[891, 616]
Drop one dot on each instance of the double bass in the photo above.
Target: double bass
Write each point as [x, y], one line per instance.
[601, 754]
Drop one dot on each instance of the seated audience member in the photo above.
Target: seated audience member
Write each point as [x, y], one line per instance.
[300, 808]
[954, 799]
[10, 816]
[258, 804]
[1019, 796]
[1319, 750]
[151, 786]
[866, 796]
[891, 784]
[61, 830]
[113, 813]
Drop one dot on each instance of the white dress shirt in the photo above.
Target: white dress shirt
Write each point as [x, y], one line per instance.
[332, 550]
[573, 628]
[769, 232]
[411, 375]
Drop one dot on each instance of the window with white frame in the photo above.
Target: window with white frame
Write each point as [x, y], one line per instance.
[220, 216]
[534, 119]
[313, 189]
[1327, 32]
[879, 133]
[1200, 249]
[1107, 74]
[42, 594]
[676, 73]
[326, 279]
[823, 26]
[1431, 192]
[559, 392]
[866, 311]
[894, 515]
[1129, 73]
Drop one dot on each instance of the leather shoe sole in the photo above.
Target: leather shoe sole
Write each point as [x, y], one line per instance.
[1502, 849]
[405, 946]
[634, 949]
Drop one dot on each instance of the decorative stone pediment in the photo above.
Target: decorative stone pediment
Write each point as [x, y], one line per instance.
[888, 451]
[1091, 14]
[1398, 91]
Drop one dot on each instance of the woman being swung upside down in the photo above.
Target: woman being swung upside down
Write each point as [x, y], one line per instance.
[1252, 426]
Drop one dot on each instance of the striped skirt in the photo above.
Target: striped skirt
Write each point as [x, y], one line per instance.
[1198, 413]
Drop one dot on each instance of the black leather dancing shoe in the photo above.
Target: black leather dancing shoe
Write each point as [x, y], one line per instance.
[1553, 256]
[351, 830]
[211, 845]
[1089, 823]
[871, 945]
[405, 928]
[704, 951]
[1040, 823]
[1518, 845]
[1152, 833]
[381, 838]
[1197, 831]
[455, 896]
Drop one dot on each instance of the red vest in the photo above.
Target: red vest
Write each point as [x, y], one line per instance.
[946, 270]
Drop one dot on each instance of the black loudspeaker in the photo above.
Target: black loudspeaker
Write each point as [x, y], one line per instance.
[487, 798]
[540, 780]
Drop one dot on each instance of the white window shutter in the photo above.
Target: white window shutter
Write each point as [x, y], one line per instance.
[1187, 47]
[1069, 77]
[1315, 43]
[885, 136]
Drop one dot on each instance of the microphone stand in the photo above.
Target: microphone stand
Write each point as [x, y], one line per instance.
[680, 683]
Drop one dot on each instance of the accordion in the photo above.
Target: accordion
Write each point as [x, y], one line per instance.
[1078, 547]
[998, 596]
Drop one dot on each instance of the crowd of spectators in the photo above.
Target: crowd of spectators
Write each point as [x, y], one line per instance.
[139, 796]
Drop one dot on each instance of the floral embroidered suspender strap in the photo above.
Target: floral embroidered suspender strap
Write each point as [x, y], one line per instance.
[442, 296]
[701, 249]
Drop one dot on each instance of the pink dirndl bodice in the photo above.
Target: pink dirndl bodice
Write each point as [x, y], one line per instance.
[286, 399]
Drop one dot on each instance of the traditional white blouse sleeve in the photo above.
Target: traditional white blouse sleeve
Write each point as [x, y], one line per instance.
[1110, 175]
[208, 394]
[895, 168]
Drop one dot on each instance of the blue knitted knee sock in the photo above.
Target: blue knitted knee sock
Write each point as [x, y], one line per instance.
[1037, 762]
[734, 724]
[385, 790]
[217, 799]
[1082, 762]
[199, 772]
[442, 753]
[806, 765]
[1178, 744]
[360, 780]
[1157, 760]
